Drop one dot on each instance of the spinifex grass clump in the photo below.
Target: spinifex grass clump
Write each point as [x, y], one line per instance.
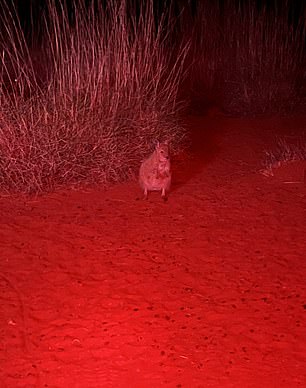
[264, 53]
[205, 55]
[110, 91]
[250, 56]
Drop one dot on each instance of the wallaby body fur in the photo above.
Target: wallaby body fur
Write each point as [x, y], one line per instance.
[155, 171]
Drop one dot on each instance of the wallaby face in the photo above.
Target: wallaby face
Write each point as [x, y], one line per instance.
[162, 150]
[155, 172]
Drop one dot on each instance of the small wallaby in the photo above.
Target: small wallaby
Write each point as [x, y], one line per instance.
[155, 171]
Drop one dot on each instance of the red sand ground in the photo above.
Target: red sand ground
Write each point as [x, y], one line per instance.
[98, 289]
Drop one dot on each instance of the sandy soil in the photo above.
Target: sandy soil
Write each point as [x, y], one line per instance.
[101, 289]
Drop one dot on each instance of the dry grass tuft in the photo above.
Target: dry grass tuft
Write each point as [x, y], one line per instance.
[284, 153]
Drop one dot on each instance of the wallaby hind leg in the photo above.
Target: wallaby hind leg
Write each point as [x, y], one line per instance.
[164, 195]
[145, 193]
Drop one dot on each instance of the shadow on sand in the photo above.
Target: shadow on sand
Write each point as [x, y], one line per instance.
[204, 132]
